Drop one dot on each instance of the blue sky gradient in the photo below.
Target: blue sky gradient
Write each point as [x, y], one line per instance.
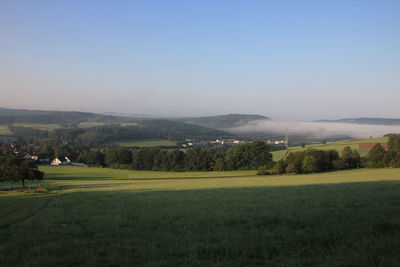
[283, 59]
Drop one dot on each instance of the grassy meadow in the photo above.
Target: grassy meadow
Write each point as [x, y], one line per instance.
[89, 124]
[144, 143]
[4, 130]
[103, 217]
[339, 145]
[40, 126]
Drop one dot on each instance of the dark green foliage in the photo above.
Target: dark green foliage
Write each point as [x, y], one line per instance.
[249, 156]
[313, 160]
[93, 157]
[351, 158]
[117, 156]
[18, 170]
[292, 168]
[310, 164]
[144, 159]
[246, 156]
[101, 135]
[279, 167]
[376, 157]
[394, 150]
[198, 159]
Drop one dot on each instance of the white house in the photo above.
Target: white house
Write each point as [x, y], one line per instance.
[55, 162]
[67, 161]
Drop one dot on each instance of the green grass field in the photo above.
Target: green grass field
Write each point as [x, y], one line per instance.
[339, 145]
[40, 126]
[107, 217]
[4, 130]
[89, 124]
[144, 143]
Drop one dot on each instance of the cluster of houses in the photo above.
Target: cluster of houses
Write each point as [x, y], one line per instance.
[67, 161]
[193, 143]
[54, 162]
[12, 150]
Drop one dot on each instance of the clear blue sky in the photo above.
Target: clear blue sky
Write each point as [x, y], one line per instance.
[284, 59]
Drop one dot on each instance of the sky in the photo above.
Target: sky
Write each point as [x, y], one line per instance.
[291, 60]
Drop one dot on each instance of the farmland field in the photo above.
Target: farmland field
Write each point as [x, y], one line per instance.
[339, 145]
[103, 217]
[144, 143]
[39, 126]
[89, 124]
[4, 130]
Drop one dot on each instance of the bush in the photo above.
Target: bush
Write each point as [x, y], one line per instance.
[262, 171]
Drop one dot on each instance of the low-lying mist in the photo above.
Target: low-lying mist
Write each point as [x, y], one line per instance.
[315, 129]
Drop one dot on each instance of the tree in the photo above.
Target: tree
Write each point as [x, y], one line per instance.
[249, 156]
[19, 170]
[376, 157]
[219, 164]
[393, 156]
[117, 156]
[279, 167]
[351, 159]
[292, 169]
[49, 150]
[94, 157]
[310, 164]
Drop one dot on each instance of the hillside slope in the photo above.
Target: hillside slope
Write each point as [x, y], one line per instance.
[224, 121]
[10, 116]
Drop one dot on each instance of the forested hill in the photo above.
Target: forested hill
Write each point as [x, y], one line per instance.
[65, 118]
[41, 127]
[224, 121]
[372, 121]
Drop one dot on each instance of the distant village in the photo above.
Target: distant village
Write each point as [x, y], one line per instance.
[13, 150]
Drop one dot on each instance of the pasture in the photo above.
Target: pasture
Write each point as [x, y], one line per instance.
[338, 146]
[89, 124]
[4, 130]
[103, 217]
[144, 143]
[40, 126]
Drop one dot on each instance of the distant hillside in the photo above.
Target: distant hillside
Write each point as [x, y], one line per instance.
[224, 121]
[37, 126]
[67, 118]
[371, 121]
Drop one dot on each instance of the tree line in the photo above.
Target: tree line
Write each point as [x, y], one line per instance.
[241, 157]
[313, 160]
[378, 157]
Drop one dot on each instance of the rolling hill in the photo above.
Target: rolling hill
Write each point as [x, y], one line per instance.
[224, 121]
[39, 126]
[65, 118]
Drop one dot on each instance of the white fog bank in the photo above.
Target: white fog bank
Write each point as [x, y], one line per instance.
[316, 129]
